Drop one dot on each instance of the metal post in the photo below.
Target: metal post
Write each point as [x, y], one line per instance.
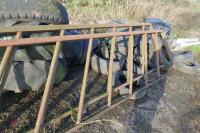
[128, 63]
[85, 76]
[145, 59]
[143, 27]
[49, 84]
[142, 54]
[7, 57]
[6, 63]
[131, 43]
[156, 49]
[109, 85]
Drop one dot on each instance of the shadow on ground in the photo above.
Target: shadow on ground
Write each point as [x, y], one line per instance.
[171, 105]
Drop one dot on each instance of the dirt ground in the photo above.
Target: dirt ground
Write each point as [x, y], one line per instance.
[171, 105]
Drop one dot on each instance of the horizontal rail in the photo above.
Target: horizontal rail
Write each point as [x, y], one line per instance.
[51, 39]
[14, 29]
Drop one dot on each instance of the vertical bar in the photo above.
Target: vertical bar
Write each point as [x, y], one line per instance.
[7, 62]
[142, 54]
[143, 27]
[131, 43]
[109, 85]
[129, 50]
[48, 85]
[156, 49]
[7, 55]
[145, 58]
[151, 27]
[83, 88]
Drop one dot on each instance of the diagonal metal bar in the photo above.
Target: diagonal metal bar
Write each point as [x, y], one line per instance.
[110, 72]
[7, 62]
[117, 103]
[49, 85]
[7, 55]
[85, 76]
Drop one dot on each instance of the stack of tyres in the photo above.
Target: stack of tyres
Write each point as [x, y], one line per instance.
[122, 48]
[30, 66]
[183, 60]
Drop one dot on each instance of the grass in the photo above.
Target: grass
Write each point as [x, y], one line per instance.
[182, 14]
[195, 7]
[195, 48]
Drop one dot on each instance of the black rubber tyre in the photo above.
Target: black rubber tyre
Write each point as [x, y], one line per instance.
[137, 69]
[159, 24]
[122, 43]
[183, 56]
[189, 68]
[43, 11]
[101, 65]
[119, 78]
[163, 52]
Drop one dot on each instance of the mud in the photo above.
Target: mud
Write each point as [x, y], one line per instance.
[171, 105]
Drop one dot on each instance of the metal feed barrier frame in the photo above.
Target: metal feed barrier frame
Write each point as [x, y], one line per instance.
[11, 46]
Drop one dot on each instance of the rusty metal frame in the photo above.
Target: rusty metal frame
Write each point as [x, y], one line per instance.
[59, 39]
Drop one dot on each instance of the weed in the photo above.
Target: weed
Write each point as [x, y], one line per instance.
[194, 48]
[180, 13]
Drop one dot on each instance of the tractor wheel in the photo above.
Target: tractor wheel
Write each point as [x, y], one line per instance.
[43, 11]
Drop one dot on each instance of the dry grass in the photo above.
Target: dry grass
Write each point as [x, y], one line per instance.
[178, 12]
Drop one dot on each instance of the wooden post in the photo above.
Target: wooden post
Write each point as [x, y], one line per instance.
[110, 73]
[85, 76]
[49, 85]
